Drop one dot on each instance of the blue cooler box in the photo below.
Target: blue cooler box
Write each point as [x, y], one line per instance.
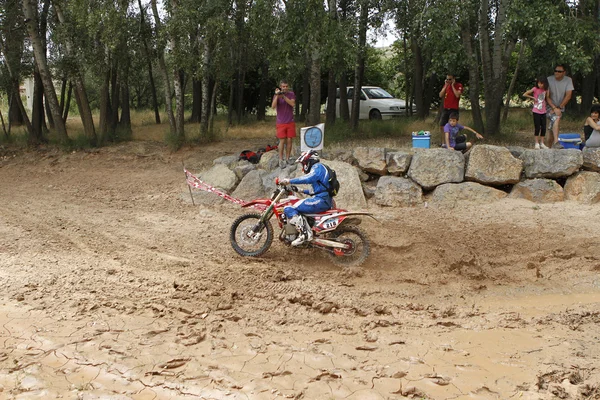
[570, 140]
[421, 142]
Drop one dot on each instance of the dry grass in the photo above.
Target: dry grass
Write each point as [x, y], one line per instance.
[517, 130]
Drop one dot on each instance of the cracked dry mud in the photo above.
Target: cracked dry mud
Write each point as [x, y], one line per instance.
[115, 287]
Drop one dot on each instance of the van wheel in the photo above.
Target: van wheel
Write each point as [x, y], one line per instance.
[374, 114]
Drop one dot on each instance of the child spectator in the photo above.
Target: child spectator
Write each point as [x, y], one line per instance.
[539, 93]
[591, 129]
[453, 137]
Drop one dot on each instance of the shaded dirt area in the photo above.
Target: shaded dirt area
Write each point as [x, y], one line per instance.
[114, 286]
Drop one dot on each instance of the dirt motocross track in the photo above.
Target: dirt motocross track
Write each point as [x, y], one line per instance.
[115, 287]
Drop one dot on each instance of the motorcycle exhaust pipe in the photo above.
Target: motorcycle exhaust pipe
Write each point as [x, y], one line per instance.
[330, 243]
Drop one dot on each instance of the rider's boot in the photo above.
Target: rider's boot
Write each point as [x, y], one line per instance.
[301, 225]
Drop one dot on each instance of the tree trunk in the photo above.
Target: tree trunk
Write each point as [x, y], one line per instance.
[21, 107]
[15, 117]
[65, 113]
[164, 73]
[344, 109]
[231, 103]
[37, 112]
[588, 87]
[104, 108]
[179, 105]
[261, 108]
[196, 100]
[314, 110]
[331, 98]
[6, 135]
[407, 85]
[147, 54]
[81, 98]
[125, 121]
[43, 32]
[239, 108]
[473, 67]
[213, 106]
[305, 92]
[418, 78]
[495, 56]
[359, 67]
[513, 81]
[205, 88]
[29, 9]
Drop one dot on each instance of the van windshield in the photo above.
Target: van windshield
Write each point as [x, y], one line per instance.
[377, 93]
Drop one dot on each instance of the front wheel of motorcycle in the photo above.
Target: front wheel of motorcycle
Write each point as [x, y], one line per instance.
[249, 237]
[358, 243]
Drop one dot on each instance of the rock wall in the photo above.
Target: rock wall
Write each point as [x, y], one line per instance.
[410, 177]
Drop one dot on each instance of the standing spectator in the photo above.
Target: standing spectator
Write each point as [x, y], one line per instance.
[561, 89]
[284, 102]
[539, 94]
[451, 93]
[591, 129]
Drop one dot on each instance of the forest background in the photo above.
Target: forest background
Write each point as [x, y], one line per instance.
[191, 61]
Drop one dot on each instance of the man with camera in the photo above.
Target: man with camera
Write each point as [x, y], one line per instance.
[284, 102]
[451, 93]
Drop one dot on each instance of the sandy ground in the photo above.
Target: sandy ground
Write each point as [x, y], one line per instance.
[115, 287]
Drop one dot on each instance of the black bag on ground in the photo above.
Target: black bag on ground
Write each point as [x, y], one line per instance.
[249, 155]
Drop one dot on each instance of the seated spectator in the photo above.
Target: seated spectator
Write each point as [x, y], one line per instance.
[591, 129]
[453, 137]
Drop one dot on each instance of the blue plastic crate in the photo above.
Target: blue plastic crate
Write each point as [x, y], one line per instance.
[570, 140]
[421, 142]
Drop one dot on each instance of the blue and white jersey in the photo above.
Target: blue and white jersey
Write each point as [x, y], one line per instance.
[318, 177]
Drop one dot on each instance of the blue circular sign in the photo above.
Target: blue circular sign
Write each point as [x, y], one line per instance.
[313, 137]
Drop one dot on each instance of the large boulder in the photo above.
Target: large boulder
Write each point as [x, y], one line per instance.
[344, 155]
[220, 176]
[493, 165]
[397, 192]
[350, 195]
[269, 161]
[591, 158]
[229, 161]
[551, 163]
[583, 187]
[371, 159]
[242, 167]
[516, 151]
[538, 191]
[251, 187]
[268, 179]
[398, 162]
[466, 191]
[430, 168]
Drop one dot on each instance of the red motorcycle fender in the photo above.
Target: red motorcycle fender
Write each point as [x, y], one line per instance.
[332, 221]
[259, 203]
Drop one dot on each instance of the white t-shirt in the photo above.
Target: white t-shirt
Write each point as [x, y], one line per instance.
[558, 89]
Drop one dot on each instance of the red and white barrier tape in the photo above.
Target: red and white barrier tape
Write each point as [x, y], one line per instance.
[196, 183]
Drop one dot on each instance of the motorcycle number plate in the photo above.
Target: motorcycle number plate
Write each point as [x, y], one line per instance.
[332, 223]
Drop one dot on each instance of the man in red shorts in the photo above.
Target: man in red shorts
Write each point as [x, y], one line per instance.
[284, 102]
[450, 94]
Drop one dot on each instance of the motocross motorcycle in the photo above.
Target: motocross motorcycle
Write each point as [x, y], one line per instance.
[334, 231]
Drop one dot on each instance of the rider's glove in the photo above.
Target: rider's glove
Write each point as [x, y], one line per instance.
[284, 182]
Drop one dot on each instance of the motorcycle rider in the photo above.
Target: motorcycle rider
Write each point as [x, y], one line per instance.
[317, 175]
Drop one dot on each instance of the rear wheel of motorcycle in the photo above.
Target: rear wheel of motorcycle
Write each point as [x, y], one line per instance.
[248, 246]
[359, 246]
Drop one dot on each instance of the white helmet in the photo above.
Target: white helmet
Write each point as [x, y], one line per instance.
[308, 159]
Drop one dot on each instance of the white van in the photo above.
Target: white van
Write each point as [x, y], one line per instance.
[375, 103]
